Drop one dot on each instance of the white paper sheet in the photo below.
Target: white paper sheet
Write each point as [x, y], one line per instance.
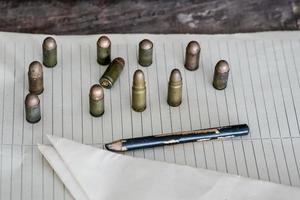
[105, 175]
[263, 91]
[63, 172]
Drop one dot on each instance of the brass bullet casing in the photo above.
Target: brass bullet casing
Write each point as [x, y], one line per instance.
[192, 54]
[145, 52]
[175, 88]
[103, 50]
[96, 100]
[221, 75]
[49, 52]
[139, 91]
[112, 73]
[35, 78]
[32, 108]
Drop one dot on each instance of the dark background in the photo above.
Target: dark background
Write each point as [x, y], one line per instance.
[183, 16]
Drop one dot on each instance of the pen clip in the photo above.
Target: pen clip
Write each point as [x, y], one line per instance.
[225, 137]
[201, 131]
[202, 140]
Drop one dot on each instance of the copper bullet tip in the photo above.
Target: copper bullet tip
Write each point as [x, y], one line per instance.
[193, 47]
[222, 66]
[96, 92]
[119, 60]
[175, 75]
[35, 70]
[49, 43]
[104, 42]
[146, 44]
[139, 78]
[32, 100]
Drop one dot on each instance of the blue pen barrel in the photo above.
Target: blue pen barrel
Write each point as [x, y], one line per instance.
[236, 130]
[186, 136]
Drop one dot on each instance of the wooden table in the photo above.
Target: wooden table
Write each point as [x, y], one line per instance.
[160, 16]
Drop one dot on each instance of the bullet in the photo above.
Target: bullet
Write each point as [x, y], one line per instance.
[145, 52]
[103, 50]
[35, 78]
[221, 75]
[175, 88]
[192, 55]
[96, 100]
[49, 52]
[32, 108]
[112, 73]
[139, 91]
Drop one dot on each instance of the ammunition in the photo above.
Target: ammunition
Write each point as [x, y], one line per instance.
[49, 52]
[221, 75]
[192, 55]
[32, 108]
[175, 88]
[145, 52]
[112, 73]
[139, 91]
[96, 100]
[103, 50]
[35, 78]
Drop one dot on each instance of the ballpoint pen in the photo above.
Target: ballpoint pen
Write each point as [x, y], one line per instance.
[177, 138]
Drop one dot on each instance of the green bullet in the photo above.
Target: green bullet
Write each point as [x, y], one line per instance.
[35, 78]
[145, 53]
[32, 108]
[175, 88]
[221, 75]
[49, 52]
[112, 73]
[103, 50]
[139, 91]
[96, 100]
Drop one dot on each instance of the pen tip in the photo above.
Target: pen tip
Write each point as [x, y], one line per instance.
[115, 146]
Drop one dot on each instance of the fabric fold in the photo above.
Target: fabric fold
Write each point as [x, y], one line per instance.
[62, 171]
[100, 174]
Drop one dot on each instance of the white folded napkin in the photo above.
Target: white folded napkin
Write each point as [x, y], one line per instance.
[92, 173]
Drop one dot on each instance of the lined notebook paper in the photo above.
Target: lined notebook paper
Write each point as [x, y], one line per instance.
[263, 91]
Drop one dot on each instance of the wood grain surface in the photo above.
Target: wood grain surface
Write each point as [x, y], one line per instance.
[168, 16]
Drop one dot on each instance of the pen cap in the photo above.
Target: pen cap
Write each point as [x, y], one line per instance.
[235, 130]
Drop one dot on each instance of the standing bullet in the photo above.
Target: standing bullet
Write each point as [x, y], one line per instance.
[192, 55]
[221, 75]
[175, 88]
[112, 73]
[103, 50]
[145, 52]
[49, 52]
[32, 108]
[96, 100]
[139, 91]
[35, 78]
